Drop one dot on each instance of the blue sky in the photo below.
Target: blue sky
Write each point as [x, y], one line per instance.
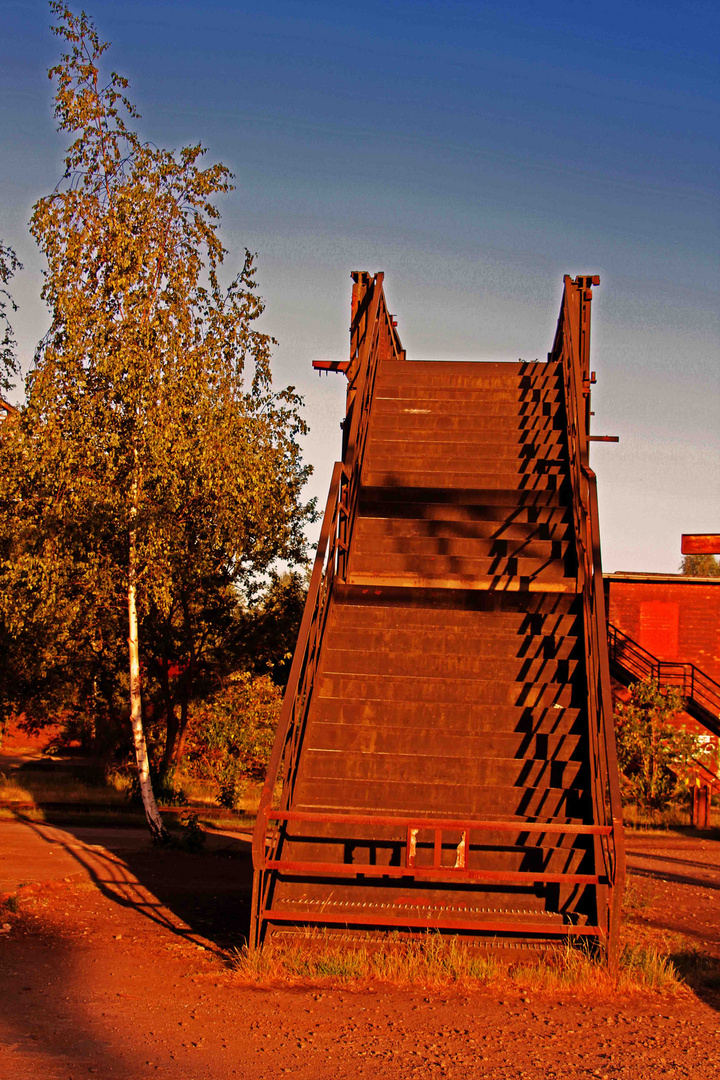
[475, 152]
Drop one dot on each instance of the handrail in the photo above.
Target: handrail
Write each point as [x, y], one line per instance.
[571, 349]
[372, 337]
[283, 759]
[697, 687]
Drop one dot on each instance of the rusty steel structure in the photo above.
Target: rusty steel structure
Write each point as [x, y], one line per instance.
[700, 544]
[445, 757]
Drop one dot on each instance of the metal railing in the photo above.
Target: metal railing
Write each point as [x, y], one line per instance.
[700, 691]
[571, 349]
[372, 336]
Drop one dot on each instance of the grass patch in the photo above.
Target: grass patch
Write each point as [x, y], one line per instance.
[644, 966]
[671, 818]
[10, 903]
[441, 963]
[39, 788]
[638, 896]
[53, 784]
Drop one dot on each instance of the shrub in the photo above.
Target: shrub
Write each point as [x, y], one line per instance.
[231, 734]
[656, 759]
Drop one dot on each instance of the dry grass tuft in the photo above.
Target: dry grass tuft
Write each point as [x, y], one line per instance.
[439, 963]
[671, 818]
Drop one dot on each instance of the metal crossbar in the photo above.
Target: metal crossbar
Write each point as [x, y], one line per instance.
[410, 830]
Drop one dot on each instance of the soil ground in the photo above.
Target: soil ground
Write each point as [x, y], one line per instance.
[114, 963]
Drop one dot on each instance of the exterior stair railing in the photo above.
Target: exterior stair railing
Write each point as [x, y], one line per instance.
[571, 349]
[372, 334]
[631, 662]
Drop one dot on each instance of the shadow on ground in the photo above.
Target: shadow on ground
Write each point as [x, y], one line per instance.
[202, 897]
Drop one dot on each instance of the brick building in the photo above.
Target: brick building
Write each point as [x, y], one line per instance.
[672, 616]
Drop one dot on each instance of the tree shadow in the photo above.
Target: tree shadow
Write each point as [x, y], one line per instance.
[201, 897]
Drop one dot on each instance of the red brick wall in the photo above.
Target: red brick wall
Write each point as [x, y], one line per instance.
[674, 620]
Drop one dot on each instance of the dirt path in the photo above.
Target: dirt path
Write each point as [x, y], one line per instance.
[115, 965]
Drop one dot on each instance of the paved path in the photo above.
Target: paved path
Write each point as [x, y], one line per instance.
[32, 853]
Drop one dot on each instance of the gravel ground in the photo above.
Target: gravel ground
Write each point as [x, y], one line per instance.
[114, 963]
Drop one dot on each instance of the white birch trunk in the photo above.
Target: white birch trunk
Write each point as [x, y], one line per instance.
[157, 830]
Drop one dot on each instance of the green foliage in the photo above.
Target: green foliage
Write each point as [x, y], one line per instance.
[655, 758]
[232, 733]
[267, 630]
[700, 566]
[193, 835]
[152, 450]
[10, 903]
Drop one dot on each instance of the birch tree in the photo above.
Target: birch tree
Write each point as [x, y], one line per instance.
[9, 264]
[164, 458]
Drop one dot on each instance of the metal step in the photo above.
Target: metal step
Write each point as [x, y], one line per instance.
[448, 642]
[378, 527]
[464, 719]
[373, 538]
[470, 398]
[435, 796]
[402, 477]
[445, 690]
[393, 736]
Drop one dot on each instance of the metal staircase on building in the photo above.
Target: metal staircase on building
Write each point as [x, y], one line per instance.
[445, 757]
[630, 662]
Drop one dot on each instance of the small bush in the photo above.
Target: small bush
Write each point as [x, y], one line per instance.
[231, 735]
[644, 966]
[193, 835]
[655, 758]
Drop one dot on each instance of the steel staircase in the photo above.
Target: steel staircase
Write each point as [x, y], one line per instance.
[445, 758]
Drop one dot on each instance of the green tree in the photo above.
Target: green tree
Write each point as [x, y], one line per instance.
[205, 638]
[267, 630]
[700, 566]
[9, 264]
[232, 732]
[155, 463]
[655, 757]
